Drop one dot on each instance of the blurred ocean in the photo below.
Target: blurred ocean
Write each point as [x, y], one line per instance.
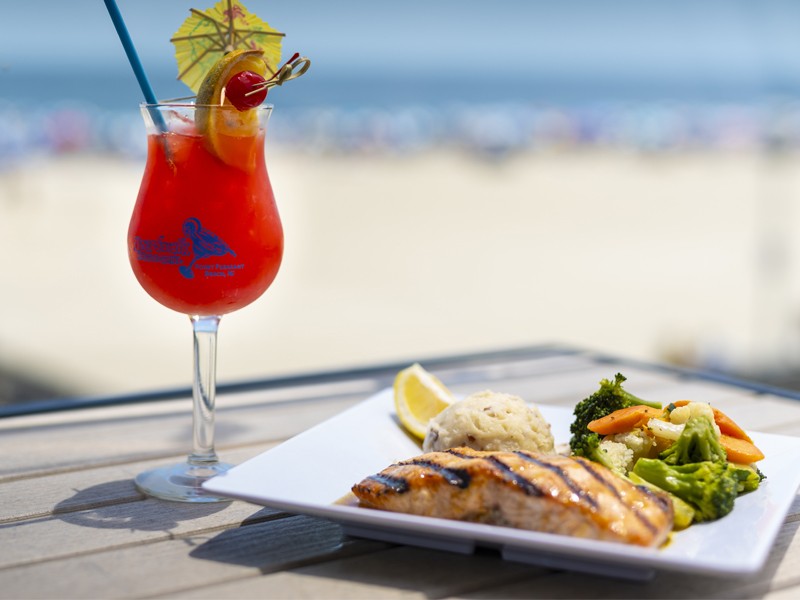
[116, 89]
[96, 109]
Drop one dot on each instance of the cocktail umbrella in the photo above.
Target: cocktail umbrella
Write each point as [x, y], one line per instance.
[207, 35]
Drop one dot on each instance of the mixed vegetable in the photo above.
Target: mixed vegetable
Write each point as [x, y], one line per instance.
[695, 453]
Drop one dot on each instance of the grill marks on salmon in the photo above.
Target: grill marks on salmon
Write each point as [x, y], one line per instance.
[553, 494]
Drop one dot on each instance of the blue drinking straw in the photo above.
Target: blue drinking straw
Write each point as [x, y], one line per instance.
[130, 50]
[133, 58]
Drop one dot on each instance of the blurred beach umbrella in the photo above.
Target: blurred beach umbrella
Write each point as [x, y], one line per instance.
[207, 35]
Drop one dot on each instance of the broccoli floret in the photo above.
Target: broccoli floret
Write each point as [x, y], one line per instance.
[709, 487]
[589, 447]
[698, 442]
[749, 478]
[683, 513]
[610, 397]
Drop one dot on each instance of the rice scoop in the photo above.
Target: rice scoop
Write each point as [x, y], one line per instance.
[490, 421]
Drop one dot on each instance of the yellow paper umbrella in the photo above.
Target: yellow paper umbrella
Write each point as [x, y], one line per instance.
[207, 35]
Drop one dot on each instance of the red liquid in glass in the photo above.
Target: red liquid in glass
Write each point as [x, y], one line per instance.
[205, 237]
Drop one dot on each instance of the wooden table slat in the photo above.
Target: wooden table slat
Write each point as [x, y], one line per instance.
[198, 560]
[89, 488]
[59, 449]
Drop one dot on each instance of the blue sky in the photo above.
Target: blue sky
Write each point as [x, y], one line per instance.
[727, 36]
[667, 40]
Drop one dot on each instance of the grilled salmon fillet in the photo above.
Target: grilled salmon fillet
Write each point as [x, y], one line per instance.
[553, 494]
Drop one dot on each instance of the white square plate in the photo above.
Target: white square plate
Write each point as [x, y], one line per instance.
[311, 472]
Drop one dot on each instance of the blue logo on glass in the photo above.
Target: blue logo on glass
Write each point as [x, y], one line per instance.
[204, 243]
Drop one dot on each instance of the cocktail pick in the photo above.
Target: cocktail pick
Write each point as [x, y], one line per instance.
[292, 69]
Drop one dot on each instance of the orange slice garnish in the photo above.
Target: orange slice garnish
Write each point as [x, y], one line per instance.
[231, 134]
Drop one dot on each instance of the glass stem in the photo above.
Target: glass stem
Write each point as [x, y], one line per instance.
[204, 389]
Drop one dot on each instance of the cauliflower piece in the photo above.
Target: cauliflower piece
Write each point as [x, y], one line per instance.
[639, 441]
[665, 429]
[681, 414]
[619, 456]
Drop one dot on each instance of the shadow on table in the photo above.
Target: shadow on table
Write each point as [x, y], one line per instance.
[273, 542]
[270, 541]
[119, 505]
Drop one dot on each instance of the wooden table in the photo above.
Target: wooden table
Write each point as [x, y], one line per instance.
[72, 525]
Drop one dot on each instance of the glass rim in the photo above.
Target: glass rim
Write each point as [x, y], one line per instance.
[149, 105]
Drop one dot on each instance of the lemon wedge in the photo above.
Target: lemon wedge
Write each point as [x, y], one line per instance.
[230, 133]
[418, 397]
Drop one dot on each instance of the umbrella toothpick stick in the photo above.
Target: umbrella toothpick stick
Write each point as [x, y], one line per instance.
[230, 46]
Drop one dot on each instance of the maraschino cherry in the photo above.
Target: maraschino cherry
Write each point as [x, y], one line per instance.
[239, 88]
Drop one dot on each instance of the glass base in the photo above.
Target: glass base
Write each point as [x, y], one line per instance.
[181, 482]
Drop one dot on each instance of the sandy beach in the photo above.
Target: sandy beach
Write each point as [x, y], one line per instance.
[682, 257]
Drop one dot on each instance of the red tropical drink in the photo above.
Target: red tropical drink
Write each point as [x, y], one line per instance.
[205, 237]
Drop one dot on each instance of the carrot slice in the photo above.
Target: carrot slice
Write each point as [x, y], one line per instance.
[729, 427]
[624, 419]
[726, 425]
[739, 450]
